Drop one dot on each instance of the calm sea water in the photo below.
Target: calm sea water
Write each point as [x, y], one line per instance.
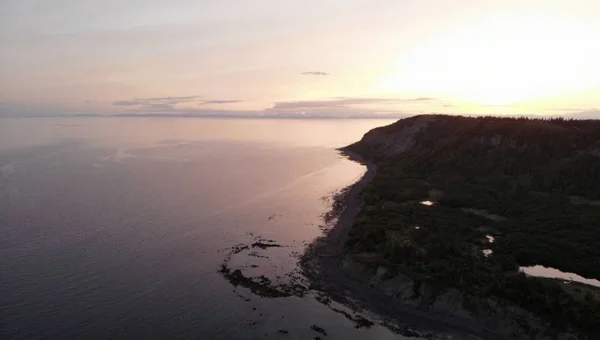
[116, 227]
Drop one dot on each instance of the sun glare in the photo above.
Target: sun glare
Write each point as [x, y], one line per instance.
[504, 60]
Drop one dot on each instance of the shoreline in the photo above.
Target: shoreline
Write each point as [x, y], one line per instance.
[323, 264]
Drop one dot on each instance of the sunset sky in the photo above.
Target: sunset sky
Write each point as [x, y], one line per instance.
[306, 58]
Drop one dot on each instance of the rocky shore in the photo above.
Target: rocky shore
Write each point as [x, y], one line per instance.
[413, 308]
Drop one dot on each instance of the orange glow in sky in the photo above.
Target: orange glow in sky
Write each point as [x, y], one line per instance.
[503, 60]
[311, 58]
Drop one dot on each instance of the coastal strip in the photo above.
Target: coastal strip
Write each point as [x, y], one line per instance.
[325, 264]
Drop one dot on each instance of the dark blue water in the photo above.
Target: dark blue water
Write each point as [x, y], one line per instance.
[116, 228]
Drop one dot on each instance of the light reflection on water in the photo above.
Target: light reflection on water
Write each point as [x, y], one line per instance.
[116, 228]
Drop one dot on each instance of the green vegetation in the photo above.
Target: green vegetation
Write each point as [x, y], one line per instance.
[534, 185]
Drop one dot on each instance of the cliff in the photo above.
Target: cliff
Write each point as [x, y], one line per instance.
[459, 204]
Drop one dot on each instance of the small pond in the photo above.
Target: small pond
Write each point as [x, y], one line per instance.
[541, 271]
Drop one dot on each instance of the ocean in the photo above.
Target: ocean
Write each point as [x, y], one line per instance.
[119, 228]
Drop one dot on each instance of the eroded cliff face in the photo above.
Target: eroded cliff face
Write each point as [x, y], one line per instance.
[500, 317]
[388, 141]
[393, 140]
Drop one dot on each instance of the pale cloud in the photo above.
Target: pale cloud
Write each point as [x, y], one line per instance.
[229, 101]
[160, 107]
[344, 101]
[565, 109]
[178, 112]
[169, 99]
[315, 73]
[170, 106]
[340, 107]
[126, 102]
[420, 99]
[170, 103]
[337, 107]
[165, 102]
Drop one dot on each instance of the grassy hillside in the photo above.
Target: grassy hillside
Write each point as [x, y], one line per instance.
[533, 185]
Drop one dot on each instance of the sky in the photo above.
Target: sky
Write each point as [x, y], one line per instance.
[333, 58]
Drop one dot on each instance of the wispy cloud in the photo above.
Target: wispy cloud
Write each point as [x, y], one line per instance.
[126, 102]
[160, 107]
[315, 73]
[229, 101]
[186, 98]
[179, 112]
[156, 101]
[420, 99]
[335, 107]
[565, 109]
[168, 104]
[344, 102]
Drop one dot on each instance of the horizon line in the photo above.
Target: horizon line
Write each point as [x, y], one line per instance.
[298, 117]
